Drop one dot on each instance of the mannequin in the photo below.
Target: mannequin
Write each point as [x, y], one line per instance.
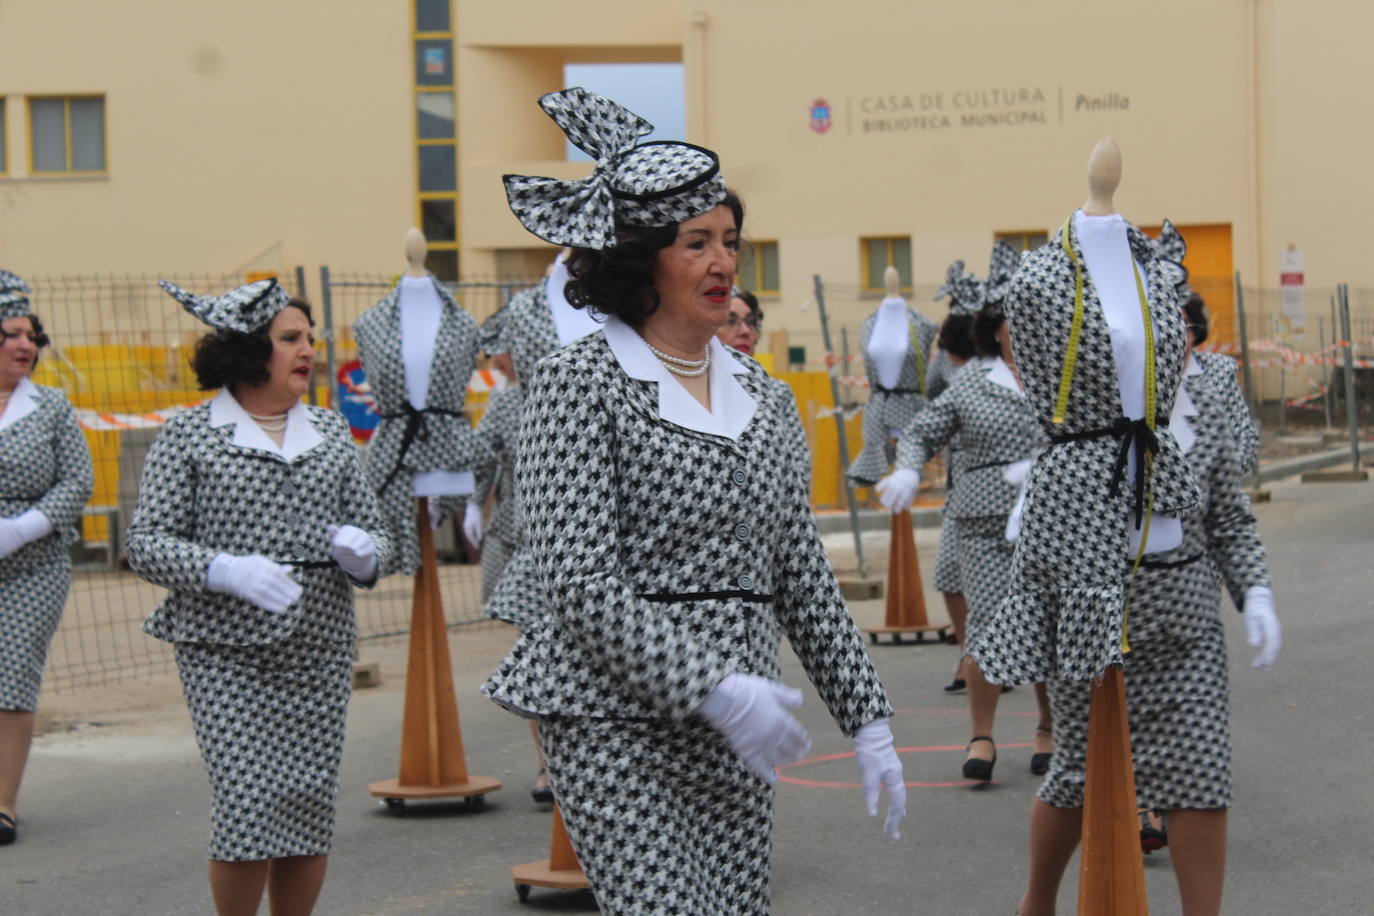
[895, 341]
[419, 348]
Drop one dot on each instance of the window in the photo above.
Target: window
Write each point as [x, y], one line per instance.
[67, 134]
[1027, 240]
[759, 273]
[878, 253]
[436, 134]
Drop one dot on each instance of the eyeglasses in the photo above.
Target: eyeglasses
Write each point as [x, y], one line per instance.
[734, 321]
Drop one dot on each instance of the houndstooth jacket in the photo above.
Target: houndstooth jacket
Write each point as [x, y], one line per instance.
[1063, 613]
[1219, 376]
[445, 441]
[531, 330]
[44, 465]
[210, 487]
[499, 431]
[888, 411]
[674, 546]
[995, 427]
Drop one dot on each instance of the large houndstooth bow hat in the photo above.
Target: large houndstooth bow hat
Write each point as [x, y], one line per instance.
[659, 183]
[14, 296]
[1001, 268]
[965, 291]
[243, 309]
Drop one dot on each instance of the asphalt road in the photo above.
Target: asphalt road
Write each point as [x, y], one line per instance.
[115, 803]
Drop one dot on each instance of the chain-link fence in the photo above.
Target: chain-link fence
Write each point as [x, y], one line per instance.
[120, 350]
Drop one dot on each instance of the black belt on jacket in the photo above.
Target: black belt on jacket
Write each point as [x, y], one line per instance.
[675, 597]
[416, 428]
[1133, 434]
[309, 564]
[1166, 564]
[881, 390]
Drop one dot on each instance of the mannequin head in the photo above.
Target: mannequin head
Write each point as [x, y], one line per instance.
[416, 249]
[1104, 175]
[892, 282]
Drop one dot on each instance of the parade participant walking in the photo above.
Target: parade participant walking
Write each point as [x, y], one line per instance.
[674, 541]
[45, 480]
[1176, 673]
[255, 513]
[986, 411]
[744, 323]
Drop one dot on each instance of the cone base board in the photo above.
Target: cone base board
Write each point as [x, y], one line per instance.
[475, 785]
[539, 874]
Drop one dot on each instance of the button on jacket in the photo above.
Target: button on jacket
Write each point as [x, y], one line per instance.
[204, 492]
[445, 441]
[659, 531]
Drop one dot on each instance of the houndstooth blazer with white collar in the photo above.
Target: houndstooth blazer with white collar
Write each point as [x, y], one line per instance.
[531, 330]
[201, 495]
[670, 557]
[1219, 376]
[1063, 612]
[444, 440]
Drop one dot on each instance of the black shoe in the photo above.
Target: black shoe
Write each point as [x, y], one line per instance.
[978, 768]
[1153, 838]
[957, 685]
[1040, 762]
[8, 833]
[542, 794]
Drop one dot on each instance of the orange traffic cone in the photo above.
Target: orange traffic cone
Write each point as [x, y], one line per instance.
[906, 599]
[432, 761]
[560, 870]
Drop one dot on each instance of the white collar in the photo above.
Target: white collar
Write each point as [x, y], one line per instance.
[1185, 408]
[300, 436]
[570, 323]
[999, 373]
[23, 401]
[1191, 366]
[731, 406]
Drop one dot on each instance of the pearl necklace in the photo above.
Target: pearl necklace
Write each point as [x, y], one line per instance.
[270, 424]
[687, 368]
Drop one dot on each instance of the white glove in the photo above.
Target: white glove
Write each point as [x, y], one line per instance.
[898, 489]
[354, 550]
[22, 529]
[255, 579]
[1262, 626]
[472, 524]
[751, 712]
[881, 769]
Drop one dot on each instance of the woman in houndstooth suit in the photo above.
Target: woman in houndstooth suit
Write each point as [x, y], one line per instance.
[896, 381]
[45, 480]
[675, 544]
[255, 514]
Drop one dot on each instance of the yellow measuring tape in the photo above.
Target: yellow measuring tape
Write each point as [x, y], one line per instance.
[918, 345]
[1061, 402]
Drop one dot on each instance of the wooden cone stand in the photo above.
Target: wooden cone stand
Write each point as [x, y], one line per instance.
[560, 870]
[906, 599]
[432, 761]
[1111, 879]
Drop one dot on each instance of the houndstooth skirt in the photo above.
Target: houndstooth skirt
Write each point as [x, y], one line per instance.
[663, 816]
[947, 577]
[269, 721]
[984, 567]
[32, 596]
[1176, 698]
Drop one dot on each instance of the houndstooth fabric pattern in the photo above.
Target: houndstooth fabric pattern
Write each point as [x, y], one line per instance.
[1062, 615]
[44, 465]
[660, 183]
[994, 427]
[965, 291]
[663, 816]
[269, 721]
[499, 432]
[1219, 377]
[984, 568]
[202, 495]
[1002, 265]
[445, 443]
[243, 309]
[794, 442]
[530, 333]
[490, 338]
[885, 412]
[14, 296]
[947, 577]
[940, 373]
[496, 556]
[518, 596]
[621, 504]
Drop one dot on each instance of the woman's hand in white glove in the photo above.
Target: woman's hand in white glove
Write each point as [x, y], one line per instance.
[472, 524]
[1262, 626]
[255, 579]
[881, 768]
[354, 550]
[751, 712]
[897, 490]
[22, 529]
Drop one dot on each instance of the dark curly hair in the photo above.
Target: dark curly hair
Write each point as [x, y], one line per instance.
[619, 281]
[985, 327]
[40, 338]
[226, 359]
[956, 336]
[1196, 310]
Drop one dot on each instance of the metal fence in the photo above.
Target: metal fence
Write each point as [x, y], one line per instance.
[120, 351]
